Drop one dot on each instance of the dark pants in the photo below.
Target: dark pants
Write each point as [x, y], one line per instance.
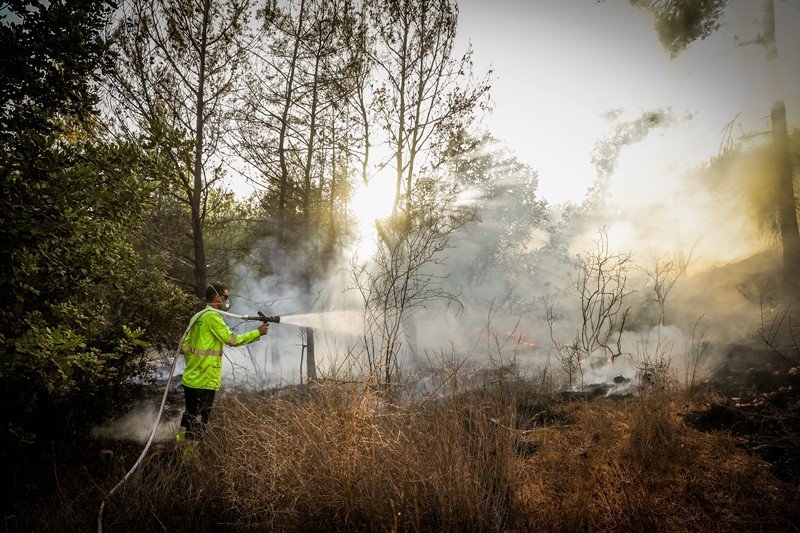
[198, 409]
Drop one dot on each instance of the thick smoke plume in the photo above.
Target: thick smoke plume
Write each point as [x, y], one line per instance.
[519, 261]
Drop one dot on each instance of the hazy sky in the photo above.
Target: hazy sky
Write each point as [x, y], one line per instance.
[560, 64]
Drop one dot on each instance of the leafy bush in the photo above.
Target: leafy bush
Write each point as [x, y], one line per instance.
[79, 300]
[80, 304]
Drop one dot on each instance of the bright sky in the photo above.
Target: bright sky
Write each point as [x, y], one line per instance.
[560, 64]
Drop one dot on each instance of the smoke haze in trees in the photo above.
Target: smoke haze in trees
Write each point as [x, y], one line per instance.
[518, 259]
[515, 262]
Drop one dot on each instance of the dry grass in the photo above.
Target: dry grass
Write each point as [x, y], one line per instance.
[338, 457]
[634, 466]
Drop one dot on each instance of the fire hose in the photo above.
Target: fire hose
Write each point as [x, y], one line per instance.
[261, 317]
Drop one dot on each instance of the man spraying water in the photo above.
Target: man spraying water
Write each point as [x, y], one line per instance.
[202, 351]
[201, 346]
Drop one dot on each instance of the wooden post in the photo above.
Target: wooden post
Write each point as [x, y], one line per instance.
[311, 367]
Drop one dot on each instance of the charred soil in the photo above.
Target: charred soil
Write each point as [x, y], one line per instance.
[758, 404]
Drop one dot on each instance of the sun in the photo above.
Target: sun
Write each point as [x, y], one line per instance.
[371, 202]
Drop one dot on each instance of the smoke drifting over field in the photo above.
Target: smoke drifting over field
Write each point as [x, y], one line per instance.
[680, 175]
[137, 425]
[519, 260]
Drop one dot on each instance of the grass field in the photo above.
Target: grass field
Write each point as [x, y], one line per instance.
[506, 456]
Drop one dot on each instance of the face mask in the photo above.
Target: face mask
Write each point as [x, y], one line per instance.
[226, 304]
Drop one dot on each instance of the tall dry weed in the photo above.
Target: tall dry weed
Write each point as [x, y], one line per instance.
[344, 457]
[338, 457]
[655, 432]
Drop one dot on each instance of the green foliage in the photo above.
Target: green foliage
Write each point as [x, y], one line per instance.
[52, 56]
[80, 304]
[681, 22]
[78, 299]
[510, 211]
[230, 225]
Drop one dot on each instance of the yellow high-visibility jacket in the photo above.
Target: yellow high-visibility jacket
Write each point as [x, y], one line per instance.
[202, 349]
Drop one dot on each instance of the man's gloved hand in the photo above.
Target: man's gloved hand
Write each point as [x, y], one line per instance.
[263, 328]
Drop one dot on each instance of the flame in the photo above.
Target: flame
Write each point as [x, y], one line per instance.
[520, 338]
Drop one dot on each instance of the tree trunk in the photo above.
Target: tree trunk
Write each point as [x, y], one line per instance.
[787, 207]
[365, 119]
[420, 98]
[200, 280]
[401, 127]
[312, 132]
[784, 189]
[331, 199]
[284, 179]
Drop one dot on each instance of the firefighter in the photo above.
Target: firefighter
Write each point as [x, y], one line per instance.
[202, 351]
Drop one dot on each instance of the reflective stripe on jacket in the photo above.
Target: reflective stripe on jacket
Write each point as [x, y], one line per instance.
[202, 349]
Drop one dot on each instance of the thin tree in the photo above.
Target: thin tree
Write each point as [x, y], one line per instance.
[403, 275]
[663, 272]
[329, 58]
[301, 77]
[679, 23]
[177, 71]
[424, 90]
[284, 122]
[601, 282]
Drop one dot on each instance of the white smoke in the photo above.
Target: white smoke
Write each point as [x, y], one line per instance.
[513, 265]
[137, 425]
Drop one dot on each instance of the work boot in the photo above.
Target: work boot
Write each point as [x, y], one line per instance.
[189, 452]
[187, 445]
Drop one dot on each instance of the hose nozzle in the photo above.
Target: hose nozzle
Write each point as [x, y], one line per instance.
[275, 319]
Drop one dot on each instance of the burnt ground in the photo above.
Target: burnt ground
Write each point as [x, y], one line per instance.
[758, 403]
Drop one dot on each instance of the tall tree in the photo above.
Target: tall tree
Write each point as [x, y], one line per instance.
[681, 22]
[784, 187]
[289, 98]
[267, 119]
[359, 99]
[178, 69]
[49, 67]
[288, 120]
[328, 56]
[424, 92]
